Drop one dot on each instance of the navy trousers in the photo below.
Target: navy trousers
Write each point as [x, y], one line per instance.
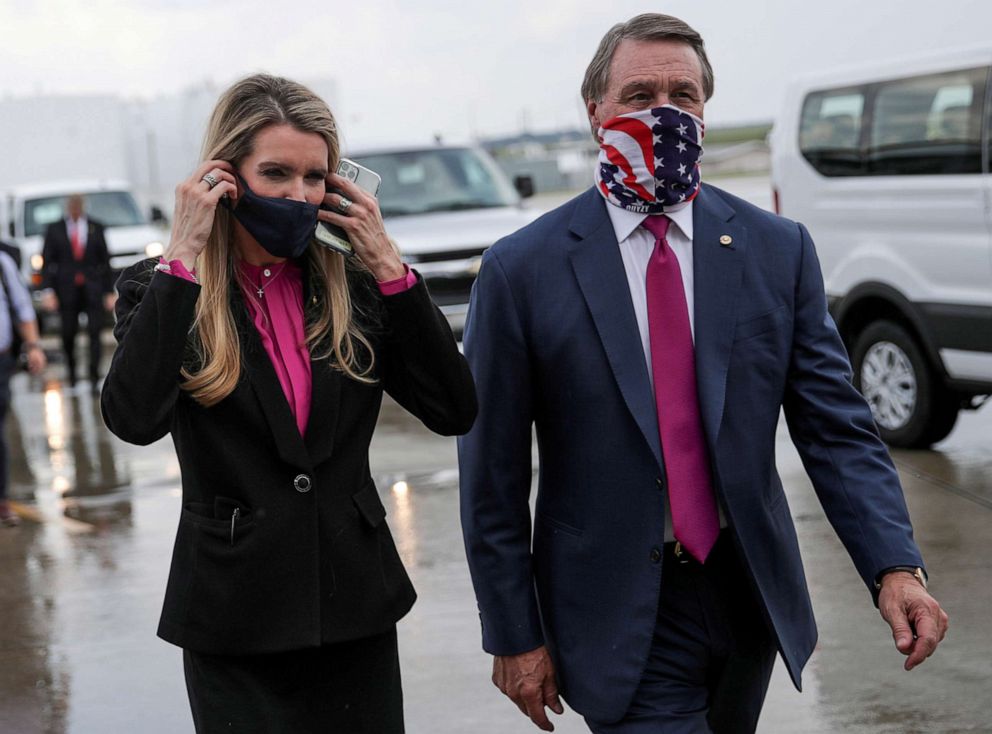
[712, 653]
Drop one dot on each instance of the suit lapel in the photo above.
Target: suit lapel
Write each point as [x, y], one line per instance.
[599, 270]
[265, 383]
[718, 266]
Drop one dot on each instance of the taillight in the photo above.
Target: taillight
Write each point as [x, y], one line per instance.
[36, 280]
[775, 201]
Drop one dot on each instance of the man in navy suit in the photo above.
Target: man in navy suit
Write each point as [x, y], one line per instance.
[651, 330]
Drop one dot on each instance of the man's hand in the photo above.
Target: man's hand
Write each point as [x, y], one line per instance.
[36, 360]
[529, 680]
[49, 302]
[917, 621]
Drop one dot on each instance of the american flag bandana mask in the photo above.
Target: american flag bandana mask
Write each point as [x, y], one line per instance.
[649, 159]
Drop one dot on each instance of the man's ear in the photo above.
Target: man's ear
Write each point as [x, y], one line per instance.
[592, 109]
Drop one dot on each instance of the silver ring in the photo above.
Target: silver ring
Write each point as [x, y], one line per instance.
[344, 205]
[211, 180]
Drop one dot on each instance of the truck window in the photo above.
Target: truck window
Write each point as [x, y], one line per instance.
[110, 208]
[830, 131]
[928, 124]
[437, 180]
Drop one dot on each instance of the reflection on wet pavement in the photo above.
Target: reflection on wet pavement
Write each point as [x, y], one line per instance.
[84, 575]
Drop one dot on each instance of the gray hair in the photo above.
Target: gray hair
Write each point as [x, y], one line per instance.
[644, 27]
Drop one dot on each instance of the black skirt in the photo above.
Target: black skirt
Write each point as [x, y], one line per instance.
[348, 688]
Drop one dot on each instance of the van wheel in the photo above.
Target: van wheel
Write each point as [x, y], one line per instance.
[911, 406]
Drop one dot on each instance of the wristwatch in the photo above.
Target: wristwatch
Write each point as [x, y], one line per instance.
[916, 571]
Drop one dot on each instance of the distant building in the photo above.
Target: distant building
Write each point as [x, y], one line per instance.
[151, 143]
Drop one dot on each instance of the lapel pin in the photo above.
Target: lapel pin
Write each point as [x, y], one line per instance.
[726, 240]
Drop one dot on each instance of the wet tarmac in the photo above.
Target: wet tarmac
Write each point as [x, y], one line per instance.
[84, 575]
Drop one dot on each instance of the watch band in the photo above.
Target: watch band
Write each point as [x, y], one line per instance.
[918, 573]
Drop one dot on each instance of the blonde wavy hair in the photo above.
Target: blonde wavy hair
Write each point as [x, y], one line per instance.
[242, 111]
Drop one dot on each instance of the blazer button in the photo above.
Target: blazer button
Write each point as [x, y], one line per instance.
[658, 481]
[655, 555]
[302, 483]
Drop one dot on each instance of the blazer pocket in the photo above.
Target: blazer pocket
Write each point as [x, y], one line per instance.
[758, 325]
[225, 519]
[558, 525]
[369, 505]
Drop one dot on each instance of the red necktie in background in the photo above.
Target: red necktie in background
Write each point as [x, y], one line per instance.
[77, 251]
[673, 364]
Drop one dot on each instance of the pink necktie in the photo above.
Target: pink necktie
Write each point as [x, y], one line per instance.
[673, 365]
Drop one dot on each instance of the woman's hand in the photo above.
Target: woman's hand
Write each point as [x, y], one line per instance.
[363, 223]
[196, 203]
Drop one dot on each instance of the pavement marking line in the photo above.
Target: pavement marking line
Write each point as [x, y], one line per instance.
[76, 527]
[942, 484]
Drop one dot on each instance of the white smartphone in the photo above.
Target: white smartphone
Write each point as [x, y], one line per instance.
[330, 235]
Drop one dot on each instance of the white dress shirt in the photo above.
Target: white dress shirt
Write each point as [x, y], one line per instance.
[83, 227]
[636, 245]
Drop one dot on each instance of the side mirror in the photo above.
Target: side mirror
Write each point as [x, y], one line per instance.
[157, 215]
[524, 186]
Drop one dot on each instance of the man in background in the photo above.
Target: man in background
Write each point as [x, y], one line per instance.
[77, 278]
[652, 329]
[16, 314]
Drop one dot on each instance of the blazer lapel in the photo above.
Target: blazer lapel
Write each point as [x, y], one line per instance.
[719, 249]
[599, 270]
[265, 383]
[325, 395]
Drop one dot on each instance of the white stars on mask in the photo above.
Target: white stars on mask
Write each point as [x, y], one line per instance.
[681, 147]
[682, 129]
[682, 169]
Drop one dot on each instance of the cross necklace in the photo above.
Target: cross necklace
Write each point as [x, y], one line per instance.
[267, 272]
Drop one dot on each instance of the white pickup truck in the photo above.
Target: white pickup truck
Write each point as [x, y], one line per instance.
[26, 211]
[444, 205]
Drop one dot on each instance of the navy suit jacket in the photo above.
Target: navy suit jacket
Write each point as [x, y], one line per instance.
[553, 343]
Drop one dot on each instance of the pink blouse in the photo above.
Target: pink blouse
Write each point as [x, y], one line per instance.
[278, 316]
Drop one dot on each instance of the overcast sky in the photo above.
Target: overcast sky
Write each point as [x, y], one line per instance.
[405, 70]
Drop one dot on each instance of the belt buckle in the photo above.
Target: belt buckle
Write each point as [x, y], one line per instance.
[680, 556]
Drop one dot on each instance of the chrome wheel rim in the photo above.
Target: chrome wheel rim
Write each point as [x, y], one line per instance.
[888, 383]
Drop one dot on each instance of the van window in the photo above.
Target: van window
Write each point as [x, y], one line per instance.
[830, 131]
[928, 124]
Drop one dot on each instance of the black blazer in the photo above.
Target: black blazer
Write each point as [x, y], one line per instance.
[60, 266]
[282, 542]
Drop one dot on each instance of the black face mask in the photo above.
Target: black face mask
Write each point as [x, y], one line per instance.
[282, 226]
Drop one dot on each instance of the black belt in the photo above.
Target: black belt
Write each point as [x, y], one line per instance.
[674, 551]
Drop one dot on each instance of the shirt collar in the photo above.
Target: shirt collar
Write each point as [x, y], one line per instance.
[625, 222]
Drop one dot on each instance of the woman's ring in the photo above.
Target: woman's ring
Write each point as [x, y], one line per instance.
[344, 205]
[211, 180]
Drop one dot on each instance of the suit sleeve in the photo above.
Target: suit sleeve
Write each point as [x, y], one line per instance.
[154, 313]
[495, 468]
[422, 368]
[832, 427]
[49, 254]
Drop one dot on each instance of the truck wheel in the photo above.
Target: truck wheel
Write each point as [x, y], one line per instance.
[908, 400]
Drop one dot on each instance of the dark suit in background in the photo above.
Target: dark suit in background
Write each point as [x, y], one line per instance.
[80, 285]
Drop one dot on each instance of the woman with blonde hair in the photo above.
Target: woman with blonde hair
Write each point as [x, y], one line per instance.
[265, 356]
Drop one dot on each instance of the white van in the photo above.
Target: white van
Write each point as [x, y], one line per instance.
[26, 211]
[888, 166]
